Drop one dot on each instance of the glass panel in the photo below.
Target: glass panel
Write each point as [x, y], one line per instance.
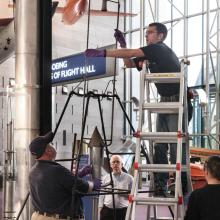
[169, 35]
[212, 68]
[136, 10]
[195, 71]
[195, 35]
[164, 11]
[135, 39]
[135, 83]
[177, 45]
[178, 8]
[127, 19]
[127, 38]
[135, 74]
[194, 7]
[149, 12]
[212, 4]
[213, 31]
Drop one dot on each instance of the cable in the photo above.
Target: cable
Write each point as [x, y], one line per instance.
[86, 64]
[114, 79]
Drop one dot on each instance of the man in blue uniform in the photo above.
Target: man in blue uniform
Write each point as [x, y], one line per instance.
[51, 184]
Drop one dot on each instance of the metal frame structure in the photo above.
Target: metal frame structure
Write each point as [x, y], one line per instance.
[149, 12]
[209, 55]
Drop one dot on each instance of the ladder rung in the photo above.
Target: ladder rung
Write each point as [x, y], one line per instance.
[166, 136]
[168, 141]
[154, 200]
[165, 107]
[157, 167]
[163, 77]
[149, 106]
[160, 168]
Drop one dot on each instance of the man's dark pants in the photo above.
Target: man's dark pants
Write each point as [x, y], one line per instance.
[108, 214]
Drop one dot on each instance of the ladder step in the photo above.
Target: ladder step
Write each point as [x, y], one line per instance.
[157, 167]
[166, 137]
[160, 168]
[154, 200]
[165, 107]
[163, 77]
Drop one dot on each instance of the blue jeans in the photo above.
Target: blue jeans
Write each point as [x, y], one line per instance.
[168, 123]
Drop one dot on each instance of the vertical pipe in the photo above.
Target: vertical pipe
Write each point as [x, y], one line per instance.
[171, 26]
[45, 34]
[130, 113]
[9, 176]
[207, 124]
[156, 11]
[184, 70]
[96, 156]
[217, 98]
[124, 101]
[26, 93]
[185, 43]
[126, 106]
[202, 119]
[142, 23]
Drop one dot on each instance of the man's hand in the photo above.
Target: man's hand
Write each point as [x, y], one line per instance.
[84, 171]
[95, 53]
[119, 37]
[97, 184]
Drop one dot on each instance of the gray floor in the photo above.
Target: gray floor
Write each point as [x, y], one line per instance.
[162, 212]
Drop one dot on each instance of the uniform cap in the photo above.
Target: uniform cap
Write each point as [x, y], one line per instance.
[38, 145]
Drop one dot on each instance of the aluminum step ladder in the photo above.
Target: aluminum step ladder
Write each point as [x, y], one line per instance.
[175, 203]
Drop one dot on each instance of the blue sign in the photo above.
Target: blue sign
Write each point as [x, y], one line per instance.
[83, 160]
[75, 67]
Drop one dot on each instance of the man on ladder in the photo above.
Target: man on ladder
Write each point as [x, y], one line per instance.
[161, 59]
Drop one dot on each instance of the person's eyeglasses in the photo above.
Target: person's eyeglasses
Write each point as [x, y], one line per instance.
[150, 32]
[115, 161]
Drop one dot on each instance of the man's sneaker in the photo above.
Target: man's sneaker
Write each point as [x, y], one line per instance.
[171, 186]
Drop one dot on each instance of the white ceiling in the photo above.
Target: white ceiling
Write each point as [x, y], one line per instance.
[70, 39]
[73, 39]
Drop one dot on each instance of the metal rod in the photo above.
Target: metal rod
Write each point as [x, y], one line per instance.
[23, 205]
[207, 124]
[77, 167]
[61, 116]
[108, 158]
[73, 150]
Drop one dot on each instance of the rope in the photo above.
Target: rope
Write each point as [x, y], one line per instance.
[112, 123]
[114, 80]
[86, 64]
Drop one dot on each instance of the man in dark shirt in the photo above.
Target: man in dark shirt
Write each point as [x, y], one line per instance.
[51, 184]
[161, 59]
[204, 203]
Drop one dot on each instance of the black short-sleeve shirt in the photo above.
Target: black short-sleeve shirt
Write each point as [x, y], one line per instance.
[162, 60]
[51, 188]
[204, 203]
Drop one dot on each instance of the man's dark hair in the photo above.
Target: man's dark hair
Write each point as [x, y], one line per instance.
[161, 28]
[213, 166]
